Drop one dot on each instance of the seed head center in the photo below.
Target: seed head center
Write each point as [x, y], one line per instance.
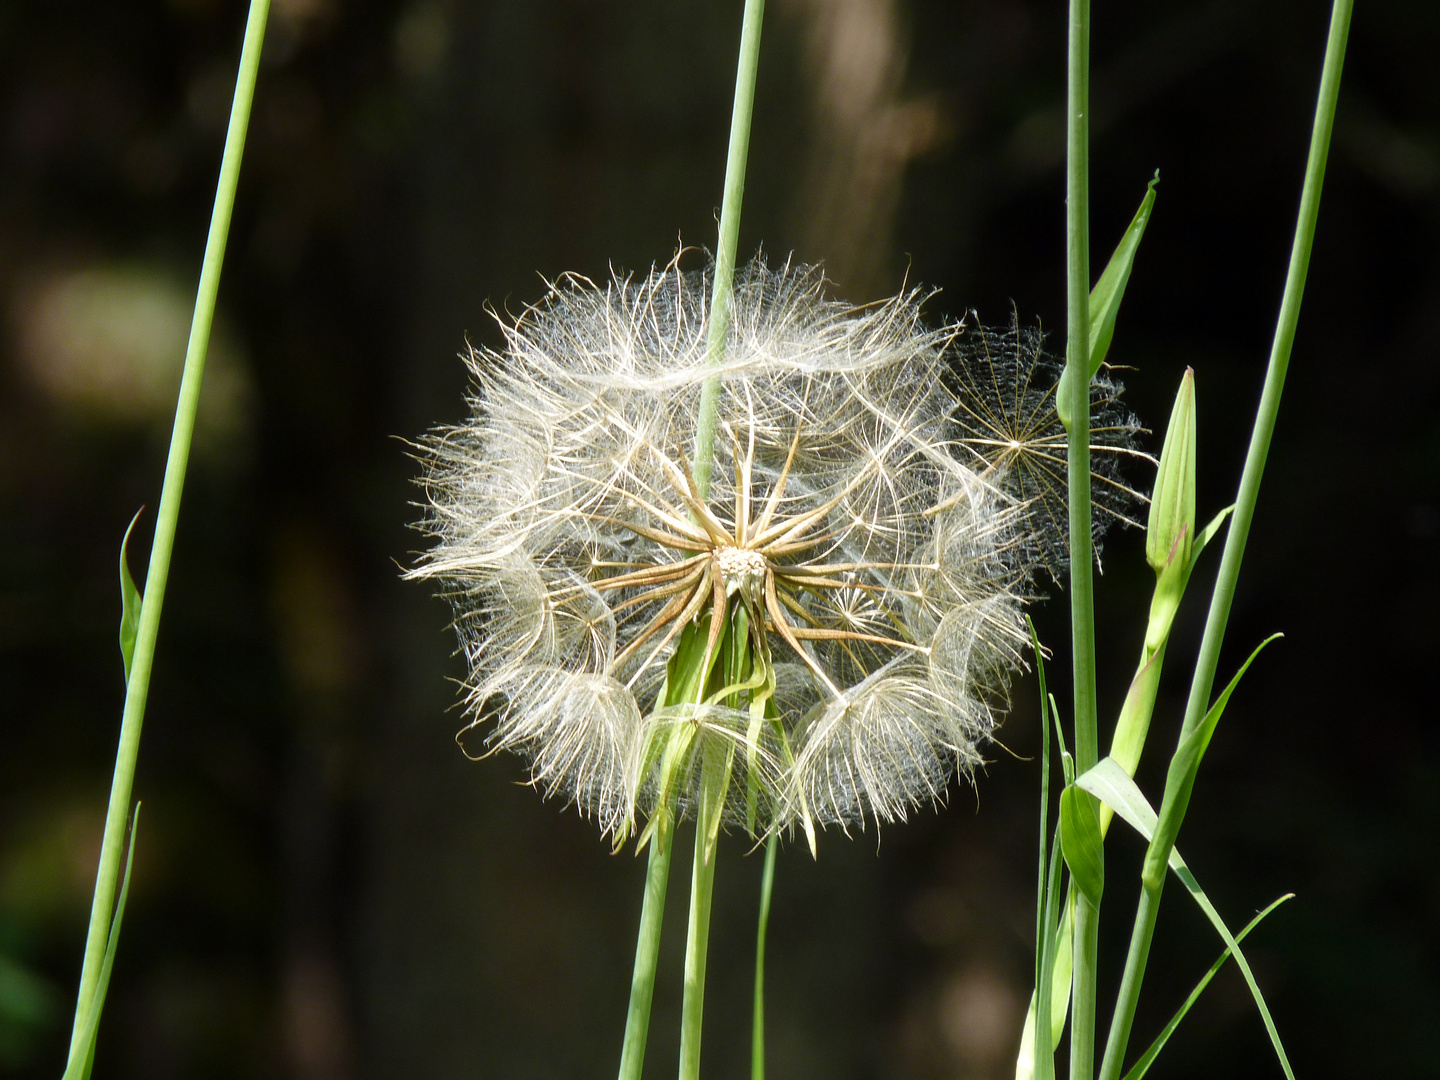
[741, 568]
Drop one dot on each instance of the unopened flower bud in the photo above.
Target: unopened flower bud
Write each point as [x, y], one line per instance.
[1170, 533]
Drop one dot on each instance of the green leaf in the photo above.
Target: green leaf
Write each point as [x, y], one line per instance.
[1105, 297]
[1198, 740]
[1138, 1070]
[1109, 783]
[129, 601]
[83, 1057]
[1205, 535]
[1081, 843]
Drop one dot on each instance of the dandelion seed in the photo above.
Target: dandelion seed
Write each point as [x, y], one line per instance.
[883, 494]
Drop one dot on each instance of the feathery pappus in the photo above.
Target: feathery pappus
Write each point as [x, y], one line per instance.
[885, 496]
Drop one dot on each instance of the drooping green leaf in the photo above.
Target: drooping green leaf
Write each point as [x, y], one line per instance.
[1139, 1069]
[1105, 297]
[129, 600]
[82, 1058]
[1109, 783]
[1081, 843]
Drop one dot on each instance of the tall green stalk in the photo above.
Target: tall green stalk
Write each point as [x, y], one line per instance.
[647, 948]
[138, 685]
[722, 292]
[703, 876]
[1082, 606]
[1181, 782]
[697, 940]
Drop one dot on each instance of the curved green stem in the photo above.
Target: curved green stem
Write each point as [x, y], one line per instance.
[138, 685]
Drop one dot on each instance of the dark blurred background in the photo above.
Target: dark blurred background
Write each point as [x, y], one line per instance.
[325, 888]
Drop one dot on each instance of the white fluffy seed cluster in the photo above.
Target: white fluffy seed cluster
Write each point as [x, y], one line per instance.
[929, 464]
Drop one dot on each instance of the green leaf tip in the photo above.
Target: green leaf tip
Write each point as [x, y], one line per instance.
[129, 601]
[1105, 297]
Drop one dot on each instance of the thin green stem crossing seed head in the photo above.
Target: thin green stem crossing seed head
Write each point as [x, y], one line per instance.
[882, 498]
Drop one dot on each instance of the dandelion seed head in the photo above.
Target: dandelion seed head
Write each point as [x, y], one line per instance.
[883, 495]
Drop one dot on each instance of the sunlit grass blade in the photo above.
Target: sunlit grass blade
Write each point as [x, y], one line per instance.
[137, 686]
[1043, 874]
[1109, 783]
[1138, 1070]
[1109, 290]
[1036, 1059]
[130, 602]
[82, 1053]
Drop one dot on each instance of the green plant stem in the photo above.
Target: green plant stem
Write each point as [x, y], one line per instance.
[757, 1031]
[1178, 786]
[1082, 613]
[647, 949]
[721, 295]
[138, 686]
[697, 943]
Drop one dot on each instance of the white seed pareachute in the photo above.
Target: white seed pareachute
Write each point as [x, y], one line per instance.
[883, 497]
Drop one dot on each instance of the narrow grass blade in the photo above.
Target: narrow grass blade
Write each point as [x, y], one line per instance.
[1043, 874]
[1138, 1070]
[1036, 1060]
[129, 600]
[82, 1055]
[1109, 783]
[1105, 297]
